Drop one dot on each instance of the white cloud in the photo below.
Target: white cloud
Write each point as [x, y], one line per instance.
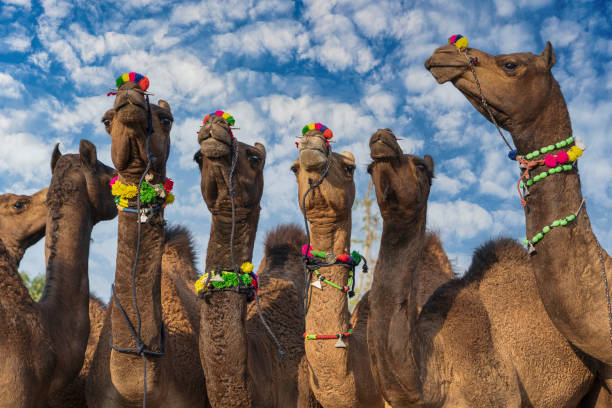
[41, 60]
[26, 4]
[458, 219]
[10, 87]
[24, 155]
[560, 32]
[18, 42]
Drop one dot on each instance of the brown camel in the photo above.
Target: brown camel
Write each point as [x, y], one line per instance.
[240, 359]
[339, 377]
[43, 343]
[22, 221]
[116, 378]
[179, 307]
[483, 340]
[526, 100]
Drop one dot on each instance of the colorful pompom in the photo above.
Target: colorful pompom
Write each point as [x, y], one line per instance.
[512, 154]
[309, 254]
[577, 151]
[327, 132]
[458, 41]
[228, 118]
[550, 160]
[343, 258]
[562, 157]
[141, 80]
[169, 198]
[579, 144]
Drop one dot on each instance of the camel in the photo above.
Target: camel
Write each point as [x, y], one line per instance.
[526, 100]
[22, 222]
[173, 376]
[482, 340]
[178, 275]
[43, 343]
[240, 359]
[339, 377]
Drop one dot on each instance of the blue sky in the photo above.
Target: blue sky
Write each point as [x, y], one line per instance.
[277, 65]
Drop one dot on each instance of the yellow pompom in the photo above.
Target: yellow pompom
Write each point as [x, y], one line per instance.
[247, 267]
[461, 43]
[123, 202]
[571, 156]
[199, 284]
[577, 151]
[169, 198]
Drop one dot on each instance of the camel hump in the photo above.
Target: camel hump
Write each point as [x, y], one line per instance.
[178, 243]
[283, 253]
[505, 251]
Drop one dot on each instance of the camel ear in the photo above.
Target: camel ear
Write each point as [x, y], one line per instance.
[429, 163]
[349, 155]
[87, 152]
[55, 156]
[548, 55]
[262, 149]
[164, 104]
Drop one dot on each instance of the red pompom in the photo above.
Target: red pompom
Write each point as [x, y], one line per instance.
[168, 185]
[550, 160]
[304, 251]
[562, 157]
[343, 258]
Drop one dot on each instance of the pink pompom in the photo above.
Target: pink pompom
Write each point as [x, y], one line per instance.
[113, 180]
[304, 251]
[562, 157]
[550, 160]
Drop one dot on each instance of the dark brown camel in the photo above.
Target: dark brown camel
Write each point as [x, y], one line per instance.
[116, 379]
[43, 343]
[240, 359]
[484, 340]
[339, 377]
[526, 100]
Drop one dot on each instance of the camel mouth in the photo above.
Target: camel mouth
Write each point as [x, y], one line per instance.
[384, 148]
[313, 158]
[446, 64]
[214, 149]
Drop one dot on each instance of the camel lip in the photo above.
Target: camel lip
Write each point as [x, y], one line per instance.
[391, 154]
[316, 149]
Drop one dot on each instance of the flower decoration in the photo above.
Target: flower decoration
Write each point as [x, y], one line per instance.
[149, 193]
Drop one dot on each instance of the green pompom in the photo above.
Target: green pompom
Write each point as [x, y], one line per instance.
[530, 182]
[355, 255]
[546, 229]
[563, 222]
[569, 140]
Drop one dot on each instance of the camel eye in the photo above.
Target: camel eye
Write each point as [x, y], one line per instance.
[19, 205]
[253, 159]
[510, 66]
[350, 169]
[106, 122]
[294, 169]
[166, 121]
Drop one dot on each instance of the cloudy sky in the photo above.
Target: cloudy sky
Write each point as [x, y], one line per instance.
[277, 65]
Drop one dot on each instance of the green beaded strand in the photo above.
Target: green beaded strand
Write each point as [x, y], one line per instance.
[557, 223]
[544, 174]
[548, 148]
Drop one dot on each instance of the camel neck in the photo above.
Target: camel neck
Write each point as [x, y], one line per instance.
[11, 285]
[567, 267]
[66, 292]
[147, 280]
[223, 335]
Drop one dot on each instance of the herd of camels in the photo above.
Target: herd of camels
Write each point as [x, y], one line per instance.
[519, 329]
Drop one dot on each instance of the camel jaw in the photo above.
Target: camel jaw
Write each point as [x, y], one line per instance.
[213, 148]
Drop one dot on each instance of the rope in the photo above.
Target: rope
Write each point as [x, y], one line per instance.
[141, 349]
[471, 62]
[329, 336]
[528, 165]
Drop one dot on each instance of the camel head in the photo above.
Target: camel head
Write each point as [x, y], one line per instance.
[402, 181]
[22, 221]
[333, 199]
[128, 122]
[517, 87]
[82, 179]
[215, 160]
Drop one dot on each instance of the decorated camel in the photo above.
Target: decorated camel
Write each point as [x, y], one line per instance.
[142, 357]
[572, 271]
[339, 367]
[482, 340]
[43, 343]
[240, 357]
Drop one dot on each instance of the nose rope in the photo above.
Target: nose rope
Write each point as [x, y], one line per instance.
[471, 61]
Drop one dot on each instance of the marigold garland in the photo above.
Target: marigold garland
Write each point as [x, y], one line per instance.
[230, 280]
[148, 193]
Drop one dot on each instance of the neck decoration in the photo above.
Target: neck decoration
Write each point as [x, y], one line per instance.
[149, 193]
[313, 260]
[557, 223]
[245, 281]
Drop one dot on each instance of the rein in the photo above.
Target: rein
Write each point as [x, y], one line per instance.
[141, 348]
